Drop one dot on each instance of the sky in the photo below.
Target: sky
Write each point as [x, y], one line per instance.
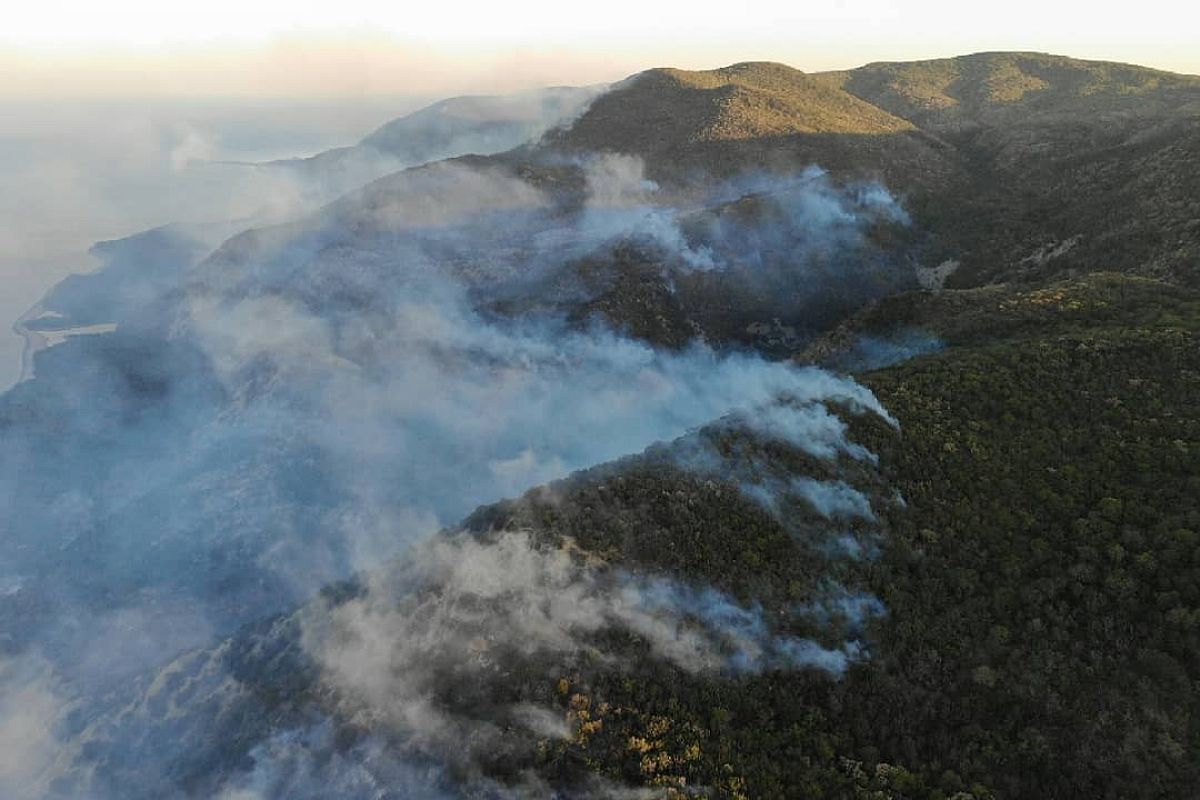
[381, 47]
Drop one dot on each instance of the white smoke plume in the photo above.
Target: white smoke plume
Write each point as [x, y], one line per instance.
[32, 706]
[834, 499]
[317, 397]
[463, 612]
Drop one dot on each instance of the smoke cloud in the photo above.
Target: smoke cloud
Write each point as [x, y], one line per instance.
[428, 645]
[31, 709]
[252, 423]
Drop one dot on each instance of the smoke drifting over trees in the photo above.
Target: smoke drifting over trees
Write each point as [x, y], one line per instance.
[212, 433]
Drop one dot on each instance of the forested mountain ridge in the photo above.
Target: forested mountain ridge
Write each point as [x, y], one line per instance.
[1073, 165]
[1035, 558]
[1020, 165]
[859, 407]
[996, 88]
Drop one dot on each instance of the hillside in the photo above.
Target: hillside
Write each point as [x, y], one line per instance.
[743, 101]
[1037, 583]
[754, 434]
[1093, 161]
[1019, 165]
[1037, 578]
[995, 89]
[748, 116]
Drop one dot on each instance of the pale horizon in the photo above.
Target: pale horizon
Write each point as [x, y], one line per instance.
[364, 48]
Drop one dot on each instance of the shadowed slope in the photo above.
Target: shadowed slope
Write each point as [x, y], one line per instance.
[1068, 166]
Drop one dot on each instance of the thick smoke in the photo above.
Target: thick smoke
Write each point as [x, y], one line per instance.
[32, 706]
[309, 764]
[834, 500]
[806, 421]
[834, 503]
[98, 171]
[317, 397]
[480, 125]
[510, 594]
[454, 411]
[84, 171]
[623, 204]
[795, 217]
[424, 651]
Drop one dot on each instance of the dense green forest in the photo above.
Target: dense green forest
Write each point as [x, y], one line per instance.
[1041, 579]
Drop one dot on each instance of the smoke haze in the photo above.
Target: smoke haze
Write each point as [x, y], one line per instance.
[77, 172]
[220, 424]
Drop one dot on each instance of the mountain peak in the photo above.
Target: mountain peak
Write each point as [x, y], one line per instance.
[662, 110]
[748, 74]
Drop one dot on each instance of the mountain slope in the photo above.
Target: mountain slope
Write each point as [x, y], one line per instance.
[1034, 551]
[994, 89]
[1094, 162]
[482, 125]
[750, 116]
[1018, 165]
[743, 101]
[973, 575]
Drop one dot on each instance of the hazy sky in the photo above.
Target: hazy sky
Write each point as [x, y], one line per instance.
[319, 47]
[79, 172]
